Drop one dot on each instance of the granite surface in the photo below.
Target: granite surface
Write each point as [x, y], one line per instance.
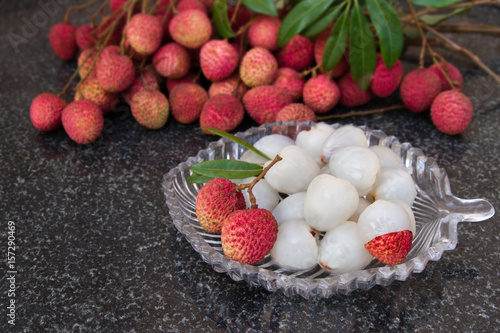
[96, 250]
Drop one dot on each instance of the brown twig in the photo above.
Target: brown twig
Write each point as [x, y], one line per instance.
[362, 113]
[82, 7]
[235, 13]
[464, 27]
[420, 31]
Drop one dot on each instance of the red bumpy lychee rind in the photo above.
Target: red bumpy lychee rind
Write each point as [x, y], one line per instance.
[91, 90]
[186, 102]
[172, 61]
[419, 88]
[292, 81]
[248, 235]
[451, 112]
[258, 67]
[218, 59]
[264, 32]
[264, 102]
[297, 112]
[453, 73]
[350, 94]
[62, 38]
[230, 86]
[298, 53]
[319, 48]
[190, 28]
[222, 112]
[46, 110]
[84, 38]
[150, 108]
[217, 200]
[144, 33]
[391, 249]
[385, 80]
[144, 81]
[115, 72]
[321, 94]
[191, 4]
[83, 121]
[188, 78]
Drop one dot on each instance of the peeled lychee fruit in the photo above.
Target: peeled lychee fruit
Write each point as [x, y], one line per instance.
[419, 88]
[191, 28]
[188, 78]
[144, 33]
[115, 72]
[83, 121]
[218, 59]
[46, 110]
[385, 80]
[298, 53]
[222, 112]
[321, 94]
[248, 235]
[91, 90]
[451, 112]
[297, 112]
[150, 108]
[62, 38]
[258, 67]
[350, 94]
[230, 86]
[186, 102]
[84, 38]
[216, 200]
[264, 102]
[144, 81]
[319, 48]
[292, 81]
[453, 73]
[172, 61]
[264, 32]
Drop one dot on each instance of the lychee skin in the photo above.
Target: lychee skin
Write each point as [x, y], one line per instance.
[218, 60]
[248, 235]
[453, 73]
[144, 81]
[292, 81]
[319, 48]
[85, 61]
[46, 110]
[451, 112]
[419, 88]
[62, 39]
[297, 112]
[264, 32]
[83, 121]
[145, 33]
[217, 200]
[186, 102]
[222, 112]
[91, 90]
[172, 61]
[188, 78]
[191, 4]
[321, 94]
[298, 53]
[258, 67]
[191, 28]
[115, 73]
[115, 5]
[264, 102]
[150, 108]
[230, 86]
[350, 94]
[84, 38]
[385, 80]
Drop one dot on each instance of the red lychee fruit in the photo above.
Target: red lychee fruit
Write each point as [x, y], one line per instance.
[84, 38]
[391, 249]
[297, 112]
[165, 17]
[222, 112]
[83, 121]
[298, 53]
[188, 78]
[115, 72]
[150, 108]
[144, 81]
[263, 32]
[145, 33]
[217, 200]
[218, 60]
[385, 80]
[321, 94]
[186, 102]
[101, 31]
[258, 67]
[62, 39]
[230, 86]
[264, 102]
[46, 110]
[292, 81]
[248, 235]
[114, 5]
[191, 28]
[451, 112]
[452, 72]
[243, 16]
[91, 90]
[419, 88]
[319, 48]
[172, 61]
[350, 94]
[191, 4]
[85, 60]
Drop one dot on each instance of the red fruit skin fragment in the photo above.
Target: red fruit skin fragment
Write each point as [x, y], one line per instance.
[392, 248]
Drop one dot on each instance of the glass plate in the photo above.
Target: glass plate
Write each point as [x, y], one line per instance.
[437, 213]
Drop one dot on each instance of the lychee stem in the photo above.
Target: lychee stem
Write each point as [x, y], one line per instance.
[63, 92]
[101, 10]
[81, 7]
[420, 31]
[444, 71]
[362, 113]
[311, 70]
[235, 13]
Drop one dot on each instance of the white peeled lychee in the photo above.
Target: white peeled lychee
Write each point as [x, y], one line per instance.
[252, 157]
[388, 157]
[266, 197]
[413, 223]
[394, 184]
[362, 204]
[292, 207]
[329, 201]
[344, 136]
[295, 245]
[312, 141]
[342, 250]
[271, 145]
[359, 165]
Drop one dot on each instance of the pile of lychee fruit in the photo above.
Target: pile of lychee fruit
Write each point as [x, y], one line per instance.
[166, 60]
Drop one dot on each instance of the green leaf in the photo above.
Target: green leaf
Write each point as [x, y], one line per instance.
[337, 42]
[266, 7]
[435, 3]
[196, 178]
[362, 52]
[301, 16]
[325, 20]
[239, 141]
[389, 30]
[230, 169]
[221, 20]
[435, 19]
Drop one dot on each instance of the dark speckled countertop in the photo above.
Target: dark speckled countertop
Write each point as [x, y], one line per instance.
[96, 250]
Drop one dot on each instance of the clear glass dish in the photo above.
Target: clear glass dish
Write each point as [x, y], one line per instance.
[437, 213]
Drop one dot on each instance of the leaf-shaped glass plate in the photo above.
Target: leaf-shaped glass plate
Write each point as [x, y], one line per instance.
[437, 213]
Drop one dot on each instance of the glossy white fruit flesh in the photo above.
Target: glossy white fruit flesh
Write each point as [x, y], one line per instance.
[409, 211]
[362, 204]
[394, 184]
[292, 207]
[388, 158]
[266, 197]
[271, 145]
[344, 136]
[312, 141]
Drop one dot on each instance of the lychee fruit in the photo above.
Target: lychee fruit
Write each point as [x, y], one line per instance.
[391, 249]
[85, 60]
[385, 80]
[145, 33]
[188, 78]
[243, 16]
[298, 53]
[191, 4]
[258, 67]
[150, 108]
[453, 73]
[114, 5]
[217, 199]
[84, 38]
[165, 17]
[144, 81]
[419, 88]
[264, 102]
[172, 61]
[451, 112]
[350, 94]
[186, 101]
[263, 32]
[248, 235]
[230, 86]
[46, 110]
[297, 112]
[62, 39]
[190, 28]
[115, 72]
[319, 48]
[222, 112]
[218, 59]
[292, 81]
[102, 31]
[83, 121]
[91, 90]
[321, 94]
